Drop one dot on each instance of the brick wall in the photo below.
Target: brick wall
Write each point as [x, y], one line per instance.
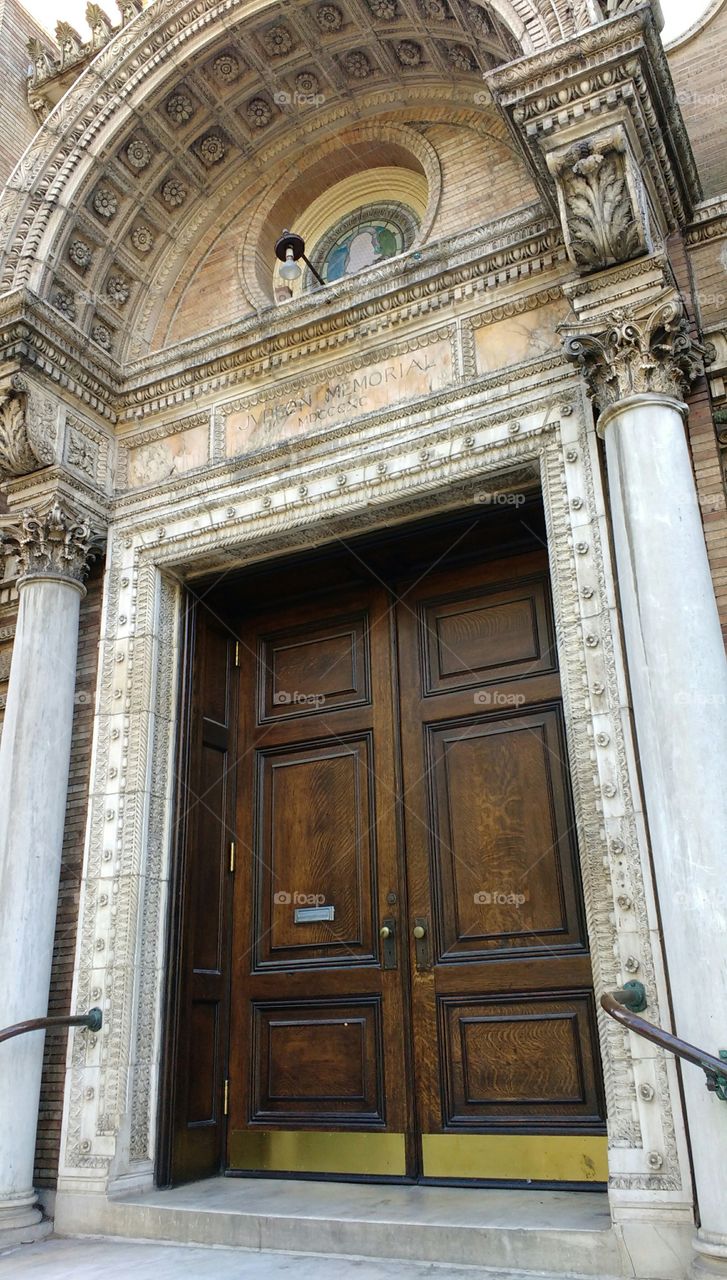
[481, 180]
[698, 70]
[17, 122]
[705, 449]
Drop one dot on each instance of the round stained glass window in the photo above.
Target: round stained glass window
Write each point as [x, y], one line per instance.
[362, 238]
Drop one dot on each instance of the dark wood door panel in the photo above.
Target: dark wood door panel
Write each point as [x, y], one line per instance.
[318, 1062]
[311, 667]
[319, 1036]
[504, 1028]
[199, 1024]
[519, 973]
[524, 1058]
[202, 1097]
[486, 634]
[315, 848]
[210, 867]
[502, 850]
[400, 761]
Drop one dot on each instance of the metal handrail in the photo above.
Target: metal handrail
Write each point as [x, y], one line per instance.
[93, 1021]
[625, 1004]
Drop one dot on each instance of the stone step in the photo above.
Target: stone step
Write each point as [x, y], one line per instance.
[99, 1259]
[553, 1232]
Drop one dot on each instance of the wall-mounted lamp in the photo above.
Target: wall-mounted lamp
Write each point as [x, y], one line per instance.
[289, 248]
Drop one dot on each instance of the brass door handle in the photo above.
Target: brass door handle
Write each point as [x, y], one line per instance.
[387, 933]
[421, 943]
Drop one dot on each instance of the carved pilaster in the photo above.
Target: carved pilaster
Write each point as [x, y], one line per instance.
[635, 356]
[56, 542]
[27, 430]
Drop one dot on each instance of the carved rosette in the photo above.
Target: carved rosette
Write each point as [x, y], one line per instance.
[54, 543]
[633, 356]
[27, 430]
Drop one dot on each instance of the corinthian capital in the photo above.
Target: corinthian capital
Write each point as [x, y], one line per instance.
[27, 430]
[55, 542]
[631, 356]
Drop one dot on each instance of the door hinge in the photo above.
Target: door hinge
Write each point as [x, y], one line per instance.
[233, 851]
[226, 1097]
[237, 653]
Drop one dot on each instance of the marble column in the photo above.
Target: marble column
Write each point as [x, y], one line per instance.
[53, 546]
[638, 374]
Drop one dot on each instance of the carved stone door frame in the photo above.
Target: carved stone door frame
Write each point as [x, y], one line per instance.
[542, 435]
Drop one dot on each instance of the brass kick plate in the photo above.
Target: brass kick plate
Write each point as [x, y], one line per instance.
[534, 1157]
[295, 1151]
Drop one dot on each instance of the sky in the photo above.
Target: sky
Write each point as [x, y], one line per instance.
[679, 14]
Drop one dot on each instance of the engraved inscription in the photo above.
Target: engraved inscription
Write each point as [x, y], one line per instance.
[337, 400]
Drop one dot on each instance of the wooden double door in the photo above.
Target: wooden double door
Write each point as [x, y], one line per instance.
[387, 970]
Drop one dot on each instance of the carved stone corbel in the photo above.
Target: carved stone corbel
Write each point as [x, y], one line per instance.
[53, 542]
[637, 356]
[27, 430]
[601, 198]
[597, 121]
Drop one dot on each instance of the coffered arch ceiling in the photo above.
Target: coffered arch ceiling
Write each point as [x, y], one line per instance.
[191, 106]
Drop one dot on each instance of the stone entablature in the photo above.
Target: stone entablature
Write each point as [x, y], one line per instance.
[506, 268]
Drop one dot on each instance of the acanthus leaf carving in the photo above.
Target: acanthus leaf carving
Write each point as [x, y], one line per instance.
[632, 356]
[601, 201]
[55, 541]
[27, 430]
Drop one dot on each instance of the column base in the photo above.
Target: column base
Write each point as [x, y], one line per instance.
[10, 1237]
[22, 1221]
[710, 1258]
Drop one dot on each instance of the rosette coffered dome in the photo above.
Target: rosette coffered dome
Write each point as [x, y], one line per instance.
[193, 112]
